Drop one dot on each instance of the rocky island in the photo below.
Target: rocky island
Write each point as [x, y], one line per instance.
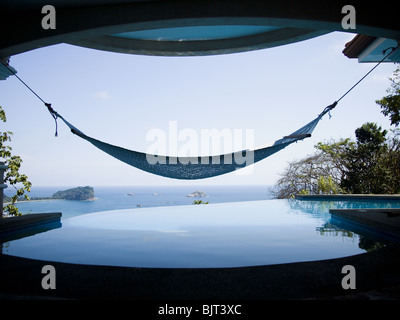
[196, 194]
[79, 193]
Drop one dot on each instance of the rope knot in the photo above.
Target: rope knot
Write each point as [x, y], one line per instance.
[54, 115]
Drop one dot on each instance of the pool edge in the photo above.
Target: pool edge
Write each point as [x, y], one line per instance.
[9, 224]
[385, 220]
[376, 270]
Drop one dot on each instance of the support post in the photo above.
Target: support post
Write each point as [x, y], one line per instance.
[3, 168]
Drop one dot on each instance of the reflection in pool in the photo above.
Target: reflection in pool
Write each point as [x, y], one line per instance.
[203, 236]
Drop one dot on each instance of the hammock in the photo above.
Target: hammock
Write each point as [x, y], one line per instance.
[189, 168]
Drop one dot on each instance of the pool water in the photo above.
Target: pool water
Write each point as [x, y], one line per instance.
[199, 236]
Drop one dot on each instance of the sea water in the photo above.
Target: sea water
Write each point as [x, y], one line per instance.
[128, 197]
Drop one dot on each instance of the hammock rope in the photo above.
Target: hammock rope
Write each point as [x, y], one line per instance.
[189, 168]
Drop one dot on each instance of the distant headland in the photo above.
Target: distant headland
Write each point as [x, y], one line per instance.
[78, 193]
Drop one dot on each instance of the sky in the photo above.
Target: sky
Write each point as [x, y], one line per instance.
[121, 99]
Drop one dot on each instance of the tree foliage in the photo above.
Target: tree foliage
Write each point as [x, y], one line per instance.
[390, 104]
[368, 168]
[199, 202]
[371, 164]
[313, 175]
[12, 176]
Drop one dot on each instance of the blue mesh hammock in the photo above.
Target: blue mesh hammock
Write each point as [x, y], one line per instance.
[190, 168]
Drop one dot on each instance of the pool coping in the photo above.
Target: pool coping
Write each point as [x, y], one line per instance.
[386, 220]
[377, 277]
[15, 223]
[333, 197]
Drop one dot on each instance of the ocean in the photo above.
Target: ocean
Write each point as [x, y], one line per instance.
[126, 197]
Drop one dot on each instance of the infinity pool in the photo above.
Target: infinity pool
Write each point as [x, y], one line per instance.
[200, 236]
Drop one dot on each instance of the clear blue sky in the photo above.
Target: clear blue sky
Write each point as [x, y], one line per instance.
[118, 98]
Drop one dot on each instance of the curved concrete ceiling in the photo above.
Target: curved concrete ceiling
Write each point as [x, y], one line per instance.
[191, 38]
[182, 27]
